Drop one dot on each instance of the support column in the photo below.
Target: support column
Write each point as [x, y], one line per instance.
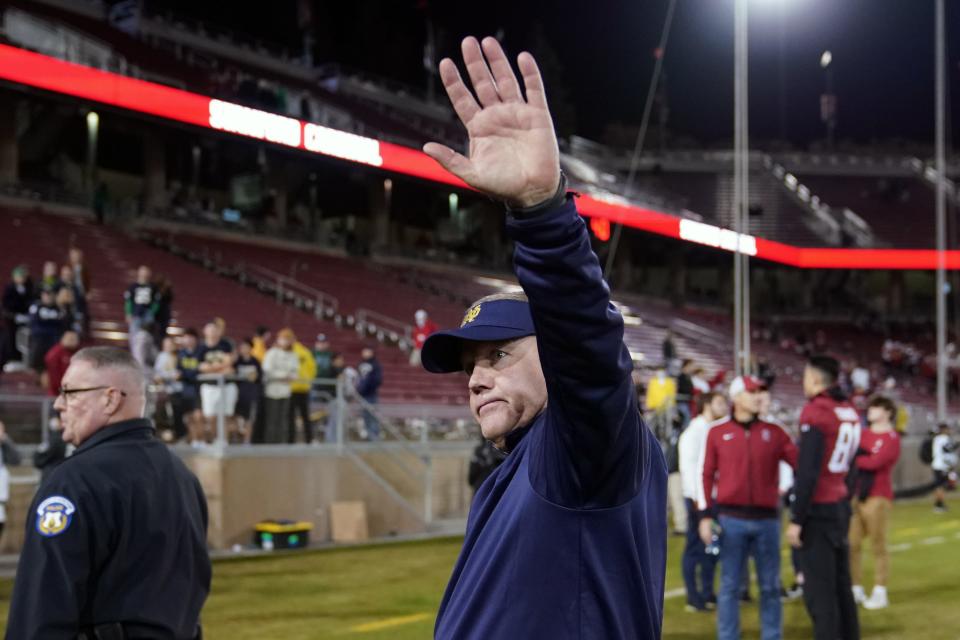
[154, 172]
[9, 146]
[379, 197]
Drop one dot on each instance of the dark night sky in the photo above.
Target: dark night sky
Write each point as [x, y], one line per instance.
[882, 51]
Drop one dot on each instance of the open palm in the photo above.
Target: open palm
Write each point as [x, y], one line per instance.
[513, 152]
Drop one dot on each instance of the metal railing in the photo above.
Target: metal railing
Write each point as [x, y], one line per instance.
[368, 321]
[27, 417]
[288, 289]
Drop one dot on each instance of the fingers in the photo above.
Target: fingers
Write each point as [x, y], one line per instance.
[455, 163]
[532, 82]
[460, 97]
[503, 76]
[479, 72]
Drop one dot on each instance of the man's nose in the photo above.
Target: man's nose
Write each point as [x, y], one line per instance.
[481, 379]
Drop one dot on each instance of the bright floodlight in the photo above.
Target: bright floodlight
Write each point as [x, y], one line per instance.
[826, 59]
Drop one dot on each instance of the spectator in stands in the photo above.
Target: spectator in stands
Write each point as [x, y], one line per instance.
[873, 499]
[300, 394]
[144, 349]
[370, 377]
[50, 278]
[79, 309]
[261, 340]
[685, 391]
[73, 315]
[423, 327]
[18, 295]
[188, 363]
[700, 593]
[660, 400]
[668, 349]
[81, 273]
[280, 368]
[57, 359]
[484, 461]
[860, 379]
[943, 465]
[140, 302]
[216, 356]
[674, 485]
[46, 327]
[166, 375]
[741, 461]
[100, 198]
[249, 388]
[164, 289]
[9, 455]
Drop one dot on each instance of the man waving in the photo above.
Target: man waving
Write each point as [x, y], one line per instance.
[567, 538]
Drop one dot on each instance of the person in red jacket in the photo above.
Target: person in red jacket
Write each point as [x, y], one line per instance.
[421, 331]
[58, 358]
[829, 438]
[742, 463]
[873, 499]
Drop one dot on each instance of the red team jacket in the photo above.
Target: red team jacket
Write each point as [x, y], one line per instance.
[883, 451]
[746, 457]
[829, 438]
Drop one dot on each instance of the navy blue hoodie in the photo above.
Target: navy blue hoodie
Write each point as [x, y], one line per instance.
[567, 538]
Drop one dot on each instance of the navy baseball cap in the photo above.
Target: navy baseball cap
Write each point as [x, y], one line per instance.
[492, 321]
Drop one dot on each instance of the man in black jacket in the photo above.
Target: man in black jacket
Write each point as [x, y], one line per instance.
[91, 564]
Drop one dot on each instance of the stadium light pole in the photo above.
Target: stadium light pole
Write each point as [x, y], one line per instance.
[741, 192]
[93, 127]
[940, 160]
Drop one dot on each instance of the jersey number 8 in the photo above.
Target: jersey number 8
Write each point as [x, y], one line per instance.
[848, 440]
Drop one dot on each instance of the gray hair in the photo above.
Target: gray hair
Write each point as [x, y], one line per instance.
[516, 297]
[112, 358]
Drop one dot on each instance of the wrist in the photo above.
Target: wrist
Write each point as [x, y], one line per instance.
[535, 203]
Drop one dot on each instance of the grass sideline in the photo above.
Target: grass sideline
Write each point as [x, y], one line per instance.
[392, 591]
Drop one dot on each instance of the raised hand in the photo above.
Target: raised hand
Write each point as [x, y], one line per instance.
[513, 149]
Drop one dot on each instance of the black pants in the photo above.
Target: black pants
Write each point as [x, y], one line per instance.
[827, 592]
[300, 404]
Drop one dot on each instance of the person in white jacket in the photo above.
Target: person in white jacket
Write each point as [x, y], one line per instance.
[281, 366]
[712, 407]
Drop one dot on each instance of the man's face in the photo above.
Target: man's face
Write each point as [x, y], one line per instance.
[747, 401]
[877, 415]
[143, 275]
[366, 354]
[507, 388]
[811, 381]
[245, 349]
[211, 333]
[323, 345]
[189, 342]
[82, 414]
[719, 407]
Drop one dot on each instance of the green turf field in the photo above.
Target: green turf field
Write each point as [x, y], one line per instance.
[392, 591]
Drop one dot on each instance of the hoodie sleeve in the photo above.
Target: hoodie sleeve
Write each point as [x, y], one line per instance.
[594, 438]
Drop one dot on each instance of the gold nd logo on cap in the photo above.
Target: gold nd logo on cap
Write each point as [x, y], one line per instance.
[471, 316]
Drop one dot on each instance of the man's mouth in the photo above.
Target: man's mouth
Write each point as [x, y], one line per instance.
[488, 406]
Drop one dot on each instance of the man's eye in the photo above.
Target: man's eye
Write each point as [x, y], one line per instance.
[499, 355]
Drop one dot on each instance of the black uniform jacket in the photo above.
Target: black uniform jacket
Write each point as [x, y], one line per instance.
[115, 534]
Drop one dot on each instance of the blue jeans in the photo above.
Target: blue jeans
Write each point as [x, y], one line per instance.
[695, 557]
[742, 538]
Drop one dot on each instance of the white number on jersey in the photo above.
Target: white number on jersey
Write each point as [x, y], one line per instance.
[848, 440]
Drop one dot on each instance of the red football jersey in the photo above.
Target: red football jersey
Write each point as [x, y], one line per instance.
[839, 423]
[883, 452]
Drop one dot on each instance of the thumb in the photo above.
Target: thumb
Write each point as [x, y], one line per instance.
[456, 163]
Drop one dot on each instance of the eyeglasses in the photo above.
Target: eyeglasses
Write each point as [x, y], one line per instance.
[66, 393]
